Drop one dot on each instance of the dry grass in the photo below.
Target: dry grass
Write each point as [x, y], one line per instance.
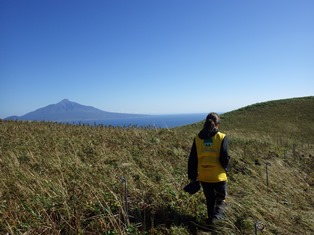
[64, 179]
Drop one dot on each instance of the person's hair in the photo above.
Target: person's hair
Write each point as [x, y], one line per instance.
[211, 122]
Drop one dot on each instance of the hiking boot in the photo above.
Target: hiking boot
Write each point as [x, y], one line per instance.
[219, 216]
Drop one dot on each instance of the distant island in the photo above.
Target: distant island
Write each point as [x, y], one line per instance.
[68, 111]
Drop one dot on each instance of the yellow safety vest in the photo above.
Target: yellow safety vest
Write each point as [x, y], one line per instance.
[208, 152]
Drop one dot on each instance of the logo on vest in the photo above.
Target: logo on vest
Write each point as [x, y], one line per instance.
[208, 142]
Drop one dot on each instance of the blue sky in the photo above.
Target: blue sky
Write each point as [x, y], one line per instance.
[154, 56]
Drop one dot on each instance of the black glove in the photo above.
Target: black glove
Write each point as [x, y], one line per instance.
[193, 187]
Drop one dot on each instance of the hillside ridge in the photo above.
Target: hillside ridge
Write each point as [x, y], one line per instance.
[286, 117]
[74, 179]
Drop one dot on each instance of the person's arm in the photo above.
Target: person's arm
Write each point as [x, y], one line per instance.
[224, 157]
[192, 163]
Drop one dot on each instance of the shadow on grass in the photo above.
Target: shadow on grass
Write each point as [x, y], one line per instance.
[168, 217]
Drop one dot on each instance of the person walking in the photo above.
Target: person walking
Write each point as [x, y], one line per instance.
[208, 164]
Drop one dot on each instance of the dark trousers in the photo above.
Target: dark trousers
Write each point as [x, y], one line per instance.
[215, 194]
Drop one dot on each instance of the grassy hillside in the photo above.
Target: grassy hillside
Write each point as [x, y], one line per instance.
[63, 179]
[285, 119]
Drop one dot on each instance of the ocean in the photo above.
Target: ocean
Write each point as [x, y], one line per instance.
[161, 121]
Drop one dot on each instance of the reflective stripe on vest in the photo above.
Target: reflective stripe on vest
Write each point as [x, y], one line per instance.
[208, 152]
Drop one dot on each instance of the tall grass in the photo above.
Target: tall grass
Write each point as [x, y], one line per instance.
[65, 179]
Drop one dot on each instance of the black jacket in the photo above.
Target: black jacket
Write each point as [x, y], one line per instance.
[223, 158]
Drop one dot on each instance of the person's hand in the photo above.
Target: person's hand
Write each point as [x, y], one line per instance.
[194, 181]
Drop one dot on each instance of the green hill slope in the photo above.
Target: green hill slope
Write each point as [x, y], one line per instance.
[64, 179]
[288, 118]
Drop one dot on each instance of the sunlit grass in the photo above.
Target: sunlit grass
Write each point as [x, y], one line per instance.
[65, 179]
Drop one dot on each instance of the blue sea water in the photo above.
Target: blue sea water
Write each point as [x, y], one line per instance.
[161, 121]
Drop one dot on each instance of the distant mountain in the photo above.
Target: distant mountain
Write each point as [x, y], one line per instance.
[68, 111]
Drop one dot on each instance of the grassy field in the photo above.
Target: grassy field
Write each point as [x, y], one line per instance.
[66, 179]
